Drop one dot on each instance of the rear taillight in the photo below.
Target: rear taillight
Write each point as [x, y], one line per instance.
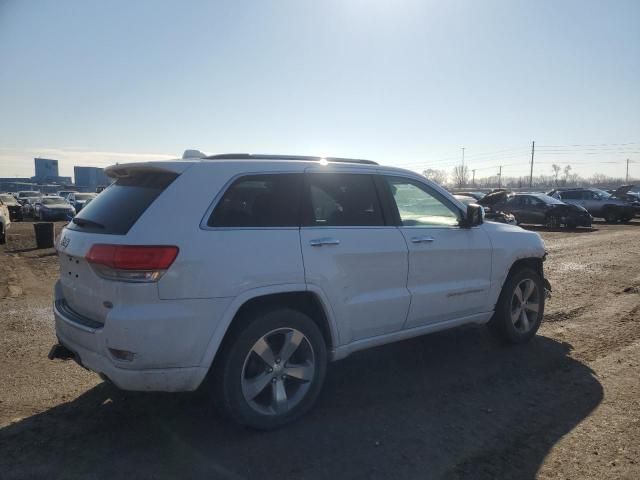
[131, 263]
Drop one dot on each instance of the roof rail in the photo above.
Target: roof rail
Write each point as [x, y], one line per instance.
[308, 158]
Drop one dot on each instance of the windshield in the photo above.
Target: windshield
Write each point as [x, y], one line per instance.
[29, 194]
[52, 201]
[602, 193]
[85, 196]
[549, 200]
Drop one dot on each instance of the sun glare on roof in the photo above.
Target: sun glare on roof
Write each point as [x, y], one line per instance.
[323, 161]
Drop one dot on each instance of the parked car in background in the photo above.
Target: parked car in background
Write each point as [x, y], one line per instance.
[466, 193]
[279, 265]
[79, 200]
[633, 199]
[65, 193]
[597, 202]
[5, 222]
[538, 209]
[624, 193]
[26, 194]
[490, 215]
[15, 209]
[28, 206]
[53, 208]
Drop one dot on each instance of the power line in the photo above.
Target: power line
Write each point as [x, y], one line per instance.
[591, 145]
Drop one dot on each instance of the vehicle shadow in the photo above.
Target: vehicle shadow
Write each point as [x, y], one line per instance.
[632, 223]
[542, 228]
[451, 405]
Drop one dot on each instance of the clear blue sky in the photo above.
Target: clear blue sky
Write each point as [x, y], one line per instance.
[404, 82]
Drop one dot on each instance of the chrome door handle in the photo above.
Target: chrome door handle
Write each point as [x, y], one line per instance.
[424, 239]
[318, 242]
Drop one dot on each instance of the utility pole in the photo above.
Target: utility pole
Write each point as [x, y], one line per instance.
[500, 177]
[463, 156]
[627, 177]
[473, 179]
[533, 149]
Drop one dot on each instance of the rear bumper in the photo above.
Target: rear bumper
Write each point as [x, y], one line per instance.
[159, 380]
[168, 349]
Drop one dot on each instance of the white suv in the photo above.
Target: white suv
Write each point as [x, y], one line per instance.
[5, 222]
[253, 271]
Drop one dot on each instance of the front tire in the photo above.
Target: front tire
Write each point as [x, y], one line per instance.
[271, 370]
[552, 221]
[520, 307]
[610, 216]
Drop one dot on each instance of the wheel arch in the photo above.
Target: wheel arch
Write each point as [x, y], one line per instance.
[532, 262]
[298, 297]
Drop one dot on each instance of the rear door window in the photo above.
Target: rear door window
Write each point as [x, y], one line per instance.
[342, 200]
[270, 200]
[119, 206]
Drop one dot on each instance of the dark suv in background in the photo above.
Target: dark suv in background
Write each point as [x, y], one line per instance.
[537, 209]
[597, 202]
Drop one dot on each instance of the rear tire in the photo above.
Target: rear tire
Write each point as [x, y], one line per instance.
[3, 235]
[520, 307]
[271, 369]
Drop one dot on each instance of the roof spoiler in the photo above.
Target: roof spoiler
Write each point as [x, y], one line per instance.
[193, 154]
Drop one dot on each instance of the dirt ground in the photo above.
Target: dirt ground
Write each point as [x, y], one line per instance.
[451, 405]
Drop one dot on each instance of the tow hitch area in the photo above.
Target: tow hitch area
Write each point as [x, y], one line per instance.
[60, 352]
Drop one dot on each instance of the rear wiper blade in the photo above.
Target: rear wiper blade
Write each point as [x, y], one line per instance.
[82, 222]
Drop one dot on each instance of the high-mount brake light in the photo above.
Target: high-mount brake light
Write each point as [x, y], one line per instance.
[131, 263]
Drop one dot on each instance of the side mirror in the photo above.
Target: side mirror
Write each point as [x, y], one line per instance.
[473, 217]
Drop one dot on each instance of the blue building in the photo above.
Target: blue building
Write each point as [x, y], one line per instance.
[46, 170]
[90, 178]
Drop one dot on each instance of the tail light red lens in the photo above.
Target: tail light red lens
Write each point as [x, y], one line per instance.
[140, 263]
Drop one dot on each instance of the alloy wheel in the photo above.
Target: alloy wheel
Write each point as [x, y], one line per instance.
[278, 371]
[525, 305]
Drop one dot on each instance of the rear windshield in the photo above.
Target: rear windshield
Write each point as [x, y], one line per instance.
[119, 206]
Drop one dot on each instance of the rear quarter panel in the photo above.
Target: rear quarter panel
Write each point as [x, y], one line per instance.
[215, 263]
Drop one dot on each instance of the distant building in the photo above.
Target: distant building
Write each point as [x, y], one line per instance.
[90, 178]
[14, 184]
[46, 170]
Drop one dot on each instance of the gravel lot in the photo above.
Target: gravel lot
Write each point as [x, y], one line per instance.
[450, 405]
